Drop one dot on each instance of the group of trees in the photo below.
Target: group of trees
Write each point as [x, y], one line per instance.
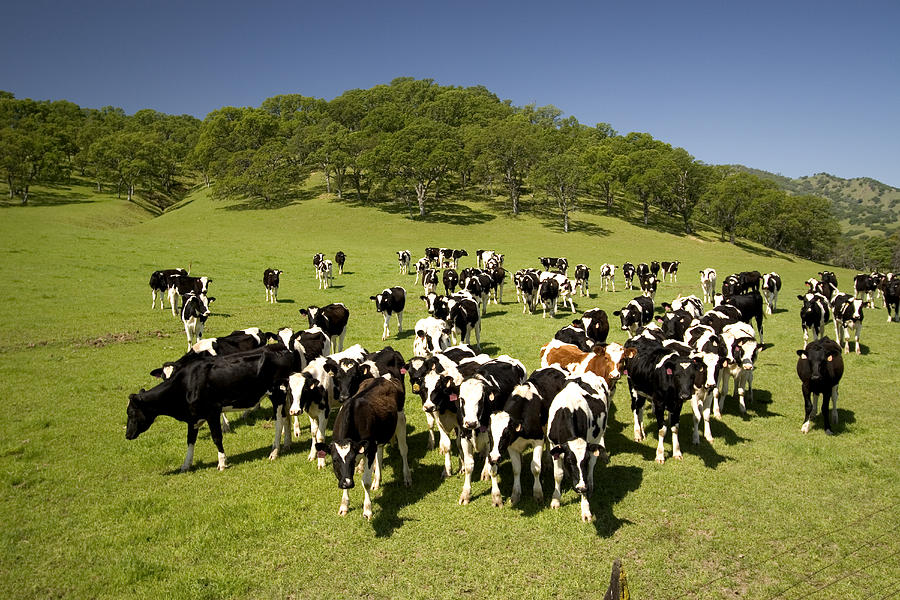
[410, 140]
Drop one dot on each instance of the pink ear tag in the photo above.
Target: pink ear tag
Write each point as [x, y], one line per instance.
[403, 371]
[453, 397]
[668, 371]
[321, 454]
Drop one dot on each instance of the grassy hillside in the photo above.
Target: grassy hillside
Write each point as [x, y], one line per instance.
[762, 512]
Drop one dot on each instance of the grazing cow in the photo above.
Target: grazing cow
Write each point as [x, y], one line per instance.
[325, 274]
[771, 285]
[576, 427]
[636, 313]
[813, 315]
[596, 325]
[403, 257]
[389, 302]
[820, 367]
[847, 313]
[711, 348]
[271, 279]
[451, 280]
[203, 390]
[182, 285]
[708, 284]
[160, 282]
[363, 426]
[892, 299]
[194, 312]
[481, 395]
[432, 335]
[628, 272]
[316, 261]
[430, 280]
[603, 360]
[549, 295]
[670, 269]
[339, 259]
[463, 320]
[608, 277]
[522, 423]
[649, 284]
[332, 319]
[741, 352]
[582, 280]
[750, 306]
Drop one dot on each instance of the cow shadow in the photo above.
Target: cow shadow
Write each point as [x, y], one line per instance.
[395, 496]
[611, 487]
[285, 301]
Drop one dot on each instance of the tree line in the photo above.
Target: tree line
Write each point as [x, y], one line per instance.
[410, 140]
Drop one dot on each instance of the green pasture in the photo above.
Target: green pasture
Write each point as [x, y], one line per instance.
[763, 512]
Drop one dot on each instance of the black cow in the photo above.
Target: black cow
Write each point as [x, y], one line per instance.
[548, 291]
[451, 280]
[636, 313]
[457, 254]
[339, 259]
[463, 319]
[182, 285]
[271, 278]
[628, 272]
[670, 268]
[433, 255]
[160, 282]
[389, 302]
[813, 315]
[820, 368]
[365, 423]
[863, 285]
[596, 325]
[654, 268]
[498, 280]
[528, 283]
[750, 306]
[332, 318]
[203, 390]
[892, 299]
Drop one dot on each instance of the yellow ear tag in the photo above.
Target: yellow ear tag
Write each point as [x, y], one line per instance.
[415, 387]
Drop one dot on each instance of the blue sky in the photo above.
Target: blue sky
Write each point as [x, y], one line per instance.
[790, 87]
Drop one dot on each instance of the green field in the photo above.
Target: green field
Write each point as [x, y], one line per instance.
[763, 512]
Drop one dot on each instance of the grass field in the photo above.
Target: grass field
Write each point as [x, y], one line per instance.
[764, 512]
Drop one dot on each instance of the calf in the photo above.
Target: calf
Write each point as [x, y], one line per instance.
[451, 280]
[820, 367]
[608, 277]
[271, 278]
[202, 391]
[708, 284]
[847, 313]
[160, 282]
[438, 306]
[628, 272]
[194, 312]
[403, 257]
[332, 319]
[430, 280]
[576, 427]
[365, 423]
[741, 351]
[582, 280]
[670, 269]
[771, 285]
[325, 274]
[522, 423]
[813, 315]
[892, 299]
[649, 284]
[636, 313]
[432, 335]
[389, 302]
[339, 259]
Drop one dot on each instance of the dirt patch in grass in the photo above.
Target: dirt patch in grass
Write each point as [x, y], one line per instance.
[107, 339]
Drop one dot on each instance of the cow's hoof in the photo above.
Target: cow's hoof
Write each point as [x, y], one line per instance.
[660, 458]
[464, 498]
[804, 428]
[342, 511]
[829, 432]
[497, 500]
[320, 464]
[539, 498]
[677, 456]
[554, 503]
[222, 467]
[587, 517]
[514, 499]
[709, 439]
[273, 455]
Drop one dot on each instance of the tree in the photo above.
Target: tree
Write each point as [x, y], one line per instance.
[688, 181]
[560, 172]
[729, 201]
[511, 148]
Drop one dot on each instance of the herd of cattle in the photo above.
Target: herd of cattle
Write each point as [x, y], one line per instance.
[492, 406]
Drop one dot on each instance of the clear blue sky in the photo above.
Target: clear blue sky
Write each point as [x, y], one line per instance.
[790, 87]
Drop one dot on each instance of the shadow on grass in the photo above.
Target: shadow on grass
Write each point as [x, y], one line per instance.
[261, 204]
[46, 198]
[395, 496]
[443, 211]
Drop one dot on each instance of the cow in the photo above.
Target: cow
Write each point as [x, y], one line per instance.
[326, 274]
[636, 313]
[603, 360]
[182, 285]
[365, 423]
[628, 272]
[582, 280]
[825, 288]
[389, 302]
[828, 277]
[654, 268]
[551, 263]
[438, 306]
[528, 284]
[670, 268]
[354, 365]
[457, 254]
[403, 257]
[522, 423]
[482, 257]
[863, 286]
[576, 426]
[339, 259]
[308, 344]
[160, 282]
[332, 319]
[237, 341]
[463, 319]
[498, 280]
[481, 395]
[711, 348]
[430, 280]
[750, 305]
[548, 291]
[596, 325]
[820, 367]
[421, 266]
[575, 335]
[675, 323]
[708, 284]
[451, 280]
[741, 351]
[813, 315]
[318, 257]
[433, 255]
[203, 390]
[847, 313]
[311, 391]
[642, 270]
[194, 313]
[486, 285]
[649, 284]
[432, 335]
[771, 285]
[271, 279]
[892, 299]
[607, 277]
[691, 304]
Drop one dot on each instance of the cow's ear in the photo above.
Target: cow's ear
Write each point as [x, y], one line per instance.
[157, 373]
[799, 296]
[556, 451]
[518, 427]
[371, 297]
[302, 311]
[578, 323]
[211, 299]
[330, 367]
[361, 446]
[801, 353]
[617, 313]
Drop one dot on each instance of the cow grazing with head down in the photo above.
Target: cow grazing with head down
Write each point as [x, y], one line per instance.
[194, 313]
[708, 284]
[389, 302]
[332, 319]
[403, 257]
[820, 367]
[847, 313]
[271, 278]
[160, 282]
[339, 259]
[636, 313]
[628, 272]
[576, 428]
[365, 423]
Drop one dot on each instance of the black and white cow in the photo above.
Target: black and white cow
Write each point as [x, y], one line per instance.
[332, 318]
[628, 273]
[438, 306]
[403, 257]
[825, 288]
[576, 335]
[391, 301]
[160, 282]
[365, 423]
[750, 305]
[828, 277]
[642, 270]
[339, 259]
[522, 423]
[892, 299]
[202, 391]
[670, 268]
[742, 350]
[847, 313]
[457, 254]
[691, 303]
[813, 315]
[708, 284]
[421, 266]
[182, 285]
[820, 367]
[326, 274]
[863, 286]
[434, 256]
[636, 313]
[576, 427]
[498, 281]
[649, 283]
[608, 277]
[551, 263]
[654, 268]
[353, 366]
[430, 281]
[432, 335]
[237, 341]
[596, 325]
[548, 291]
[675, 323]
[711, 348]
[582, 280]
[194, 313]
[463, 319]
[771, 285]
[271, 279]
[451, 280]
[528, 284]
[308, 344]
[318, 257]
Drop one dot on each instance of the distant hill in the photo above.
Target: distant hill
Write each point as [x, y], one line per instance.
[863, 205]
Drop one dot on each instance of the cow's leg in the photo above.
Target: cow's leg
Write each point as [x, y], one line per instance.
[313, 434]
[739, 391]
[399, 322]
[674, 417]
[809, 405]
[478, 334]
[805, 337]
[191, 440]
[379, 461]
[724, 382]
[341, 340]
[386, 330]
[345, 503]
[486, 472]
[826, 414]
[637, 408]
[557, 482]
[660, 411]
[696, 410]
[226, 426]
[320, 436]
[279, 426]
[296, 423]
[707, 402]
[444, 448]
[856, 330]
[400, 433]
[429, 425]
[468, 465]
[215, 432]
[275, 295]
[515, 459]
[187, 333]
[496, 498]
[171, 294]
[536, 455]
[152, 299]
[834, 399]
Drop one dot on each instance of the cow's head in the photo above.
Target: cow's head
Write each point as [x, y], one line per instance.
[140, 416]
[310, 312]
[744, 351]
[304, 390]
[344, 454]
[578, 457]
[819, 355]
[474, 396]
[440, 391]
[346, 375]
